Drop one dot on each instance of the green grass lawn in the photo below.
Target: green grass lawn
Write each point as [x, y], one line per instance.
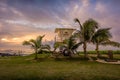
[46, 68]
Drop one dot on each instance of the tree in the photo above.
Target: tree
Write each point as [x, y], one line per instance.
[86, 32]
[67, 47]
[70, 46]
[102, 37]
[37, 45]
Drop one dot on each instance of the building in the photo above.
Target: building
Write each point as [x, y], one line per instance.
[63, 33]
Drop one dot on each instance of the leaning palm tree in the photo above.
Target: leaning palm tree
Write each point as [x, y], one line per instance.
[37, 45]
[86, 32]
[102, 37]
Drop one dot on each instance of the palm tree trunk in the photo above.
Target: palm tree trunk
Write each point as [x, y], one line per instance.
[85, 51]
[36, 54]
[70, 53]
[97, 50]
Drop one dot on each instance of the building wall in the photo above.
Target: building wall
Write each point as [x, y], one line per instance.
[63, 34]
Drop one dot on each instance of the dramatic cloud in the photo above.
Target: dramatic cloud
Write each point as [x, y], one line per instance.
[25, 19]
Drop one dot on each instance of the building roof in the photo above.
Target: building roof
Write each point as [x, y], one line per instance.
[58, 29]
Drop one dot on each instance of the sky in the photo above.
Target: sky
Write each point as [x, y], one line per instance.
[25, 19]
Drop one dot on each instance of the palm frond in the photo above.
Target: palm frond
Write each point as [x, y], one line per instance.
[78, 34]
[39, 40]
[26, 43]
[101, 35]
[111, 43]
[91, 23]
[47, 47]
[89, 26]
[33, 43]
[76, 45]
[71, 42]
[77, 20]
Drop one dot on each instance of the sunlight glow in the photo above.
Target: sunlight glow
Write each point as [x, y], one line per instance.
[13, 40]
[4, 39]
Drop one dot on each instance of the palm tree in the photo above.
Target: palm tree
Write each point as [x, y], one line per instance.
[67, 47]
[102, 37]
[70, 46]
[37, 45]
[86, 32]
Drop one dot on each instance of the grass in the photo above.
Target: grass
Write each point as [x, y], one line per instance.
[47, 68]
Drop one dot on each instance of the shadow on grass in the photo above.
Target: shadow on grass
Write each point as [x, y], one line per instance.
[71, 59]
[65, 78]
[40, 78]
